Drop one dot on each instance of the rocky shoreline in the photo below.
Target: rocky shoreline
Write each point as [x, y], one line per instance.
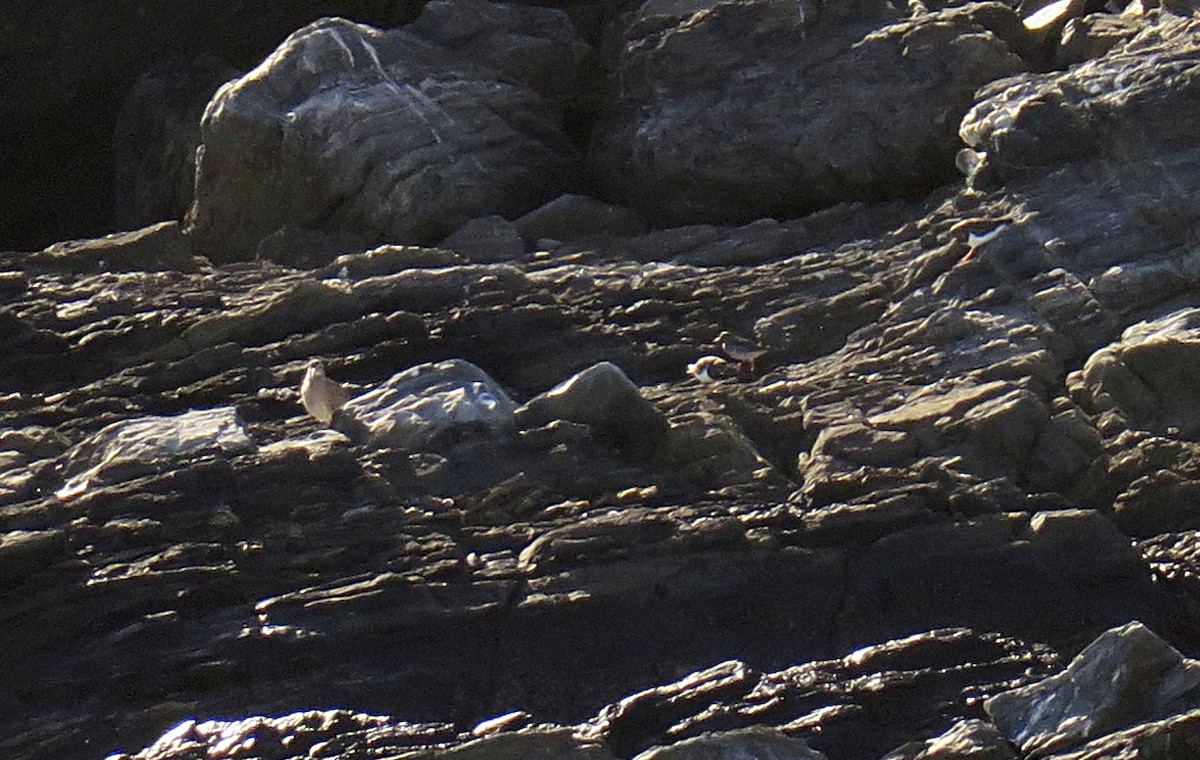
[942, 503]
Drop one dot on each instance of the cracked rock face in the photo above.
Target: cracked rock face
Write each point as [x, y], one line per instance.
[384, 134]
[918, 525]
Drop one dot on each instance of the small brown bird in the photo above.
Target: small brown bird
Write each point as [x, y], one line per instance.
[740, 349]
[320, 395]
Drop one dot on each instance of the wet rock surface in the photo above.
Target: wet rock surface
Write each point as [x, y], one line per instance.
[555, 518]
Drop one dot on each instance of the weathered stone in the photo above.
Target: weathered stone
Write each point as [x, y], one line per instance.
[1151, 375]
[486, 240]
[128, 449]
[684, 144]
[1174, 738]
[160, 246]
[305, 249]
[1032, 121]
[426, 406]
[570, 217]
[1127, 675]
[603, 397]
[391, 137]
[743, 744]
[25, 552]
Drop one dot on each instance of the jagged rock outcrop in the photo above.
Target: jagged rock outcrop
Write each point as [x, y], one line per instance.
[733, 111]
[390, 135]
[938, 484]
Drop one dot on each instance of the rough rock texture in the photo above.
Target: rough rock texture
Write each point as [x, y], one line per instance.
[67, 67]
[390, 135]
[827, 103]
[156, 136]
[1127, 675]
[968, 454]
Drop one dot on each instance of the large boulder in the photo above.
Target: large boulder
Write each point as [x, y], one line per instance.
[773, 107]
[422, 406]
[135, 447]
[384, 134]
[1127, 675]
[1151, 375]
[603, 397]
[1129, 106]
[66, 67]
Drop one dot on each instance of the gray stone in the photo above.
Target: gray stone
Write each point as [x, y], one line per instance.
[684, 143]
[157, 247]
[149, 444]
[1026, 123]
[570, 217]
[427, 405]
[1127, 675]
[380, 133]
[1152, 375]
[756, 743]
[486, 240]
[603, 397]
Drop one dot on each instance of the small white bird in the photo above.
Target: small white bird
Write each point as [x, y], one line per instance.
[739, 349]
[320, 395]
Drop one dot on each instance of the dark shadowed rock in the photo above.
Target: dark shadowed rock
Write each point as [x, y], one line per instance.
[390, 136]
[68, 65]
[1127, 675]
[570, 217]
[485, 240]
[305, 249]
[155, 139]
[160, 246]
[603, 397]
[751, 109]
[742, 744]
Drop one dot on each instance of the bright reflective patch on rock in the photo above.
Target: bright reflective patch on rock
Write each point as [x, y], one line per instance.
[416, 406]
[129, 448]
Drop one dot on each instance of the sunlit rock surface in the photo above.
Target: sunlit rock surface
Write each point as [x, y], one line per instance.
[966, 458]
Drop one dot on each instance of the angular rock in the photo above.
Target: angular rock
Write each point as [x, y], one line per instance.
[380, 133]
[1127, 675]
[305, 249]
[1174, 738]
[158, 247]
[1027, 123]
[967, 740]
[25, 552]
[746, 110]
[536, 45]
[756, 743]
[1151, 375]
[427, 406]
[128, 449]
[603, 397]
[486, 240]
[570, 217]
[69, 66]
[155, 139]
